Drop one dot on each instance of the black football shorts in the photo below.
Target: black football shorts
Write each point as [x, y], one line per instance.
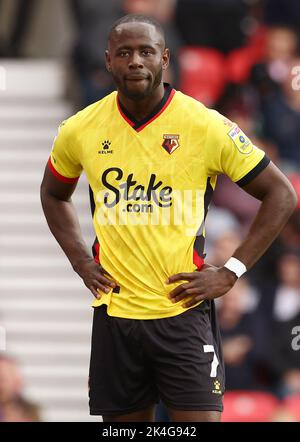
[135, 362]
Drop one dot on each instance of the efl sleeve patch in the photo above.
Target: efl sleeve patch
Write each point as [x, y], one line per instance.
[240, 140]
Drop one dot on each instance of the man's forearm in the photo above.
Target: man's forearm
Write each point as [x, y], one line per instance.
[64, 225]
[272, 216]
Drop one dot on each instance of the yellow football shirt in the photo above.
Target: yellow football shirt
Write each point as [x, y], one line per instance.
[152, 182]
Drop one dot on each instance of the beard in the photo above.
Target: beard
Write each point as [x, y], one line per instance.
[139, 95]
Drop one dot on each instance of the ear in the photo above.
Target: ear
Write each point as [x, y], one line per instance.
[107, 61]
[165, 58]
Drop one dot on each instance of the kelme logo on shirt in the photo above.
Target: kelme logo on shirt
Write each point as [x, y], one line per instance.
[105, 148]
[128, 189]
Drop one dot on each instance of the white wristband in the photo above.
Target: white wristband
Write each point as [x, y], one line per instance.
[235, 266]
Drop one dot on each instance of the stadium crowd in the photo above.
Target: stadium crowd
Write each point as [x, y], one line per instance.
[239, 57]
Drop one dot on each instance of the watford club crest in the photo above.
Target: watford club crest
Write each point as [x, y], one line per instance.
[170, 143]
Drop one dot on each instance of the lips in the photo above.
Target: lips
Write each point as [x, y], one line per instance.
[135, 78]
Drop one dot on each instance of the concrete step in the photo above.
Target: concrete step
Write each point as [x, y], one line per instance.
[29, 132]
[43, 328]
[45, 309]
[29, 156]
[30, 206]
[40, 283]
[31, 78]
[37, 295]
[67, 415]
[35, 114]
[28, 341]
[51, 263]
[53, 360]
[36, 306]
[61, 371]
[33, 220]
[45, 393]
[30, 125]
[14, 197]
[27, 228]
[30, 273]
[29, 179]
[18, 166]
[36, 250]
[57, 349]
[14, 313]
[33, 212]
[69, 380]
[11, 176]
[38, 145]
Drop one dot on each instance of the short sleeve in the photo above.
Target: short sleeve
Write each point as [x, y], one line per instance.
[64, 161]
[229, 151]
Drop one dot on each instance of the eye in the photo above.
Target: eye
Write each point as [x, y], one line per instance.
[147, 52]
[123, 53]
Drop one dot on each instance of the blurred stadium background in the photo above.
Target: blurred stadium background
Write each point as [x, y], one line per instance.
[239, 56]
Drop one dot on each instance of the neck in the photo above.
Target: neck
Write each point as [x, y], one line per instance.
[141, 108]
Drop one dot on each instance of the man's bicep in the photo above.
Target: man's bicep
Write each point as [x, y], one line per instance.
[267, 180]
[55, 187]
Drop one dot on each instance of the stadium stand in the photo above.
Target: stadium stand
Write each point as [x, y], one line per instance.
[44, 307]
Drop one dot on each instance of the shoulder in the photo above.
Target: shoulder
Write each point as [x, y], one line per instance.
[201, 114]
[219, 122]
[190, 105]
[94, 113]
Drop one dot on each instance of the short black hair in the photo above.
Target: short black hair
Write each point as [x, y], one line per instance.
[137, 18]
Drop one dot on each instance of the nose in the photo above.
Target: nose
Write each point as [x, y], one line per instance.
[136, 61]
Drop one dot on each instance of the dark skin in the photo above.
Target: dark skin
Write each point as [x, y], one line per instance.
[136, 57]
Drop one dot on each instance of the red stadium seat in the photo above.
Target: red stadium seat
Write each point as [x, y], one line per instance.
[292, 405]
[295, 181]
[241, 60]
[249, 406]
[202, 73]
[257, 41]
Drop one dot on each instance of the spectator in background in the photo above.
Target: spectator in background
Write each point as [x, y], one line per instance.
[218, 222]
[10, 379]
[285, 12]
[290, 235]
[244, 337]
[93, 19]
[284, 360]
[264, 275]
[243, 327]
[281, 111]
[241, 105]
[282, 45]
[23, 12]
[231, 197]
[21, 410]
[212, 23]
[225, 243]
[13, 407]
